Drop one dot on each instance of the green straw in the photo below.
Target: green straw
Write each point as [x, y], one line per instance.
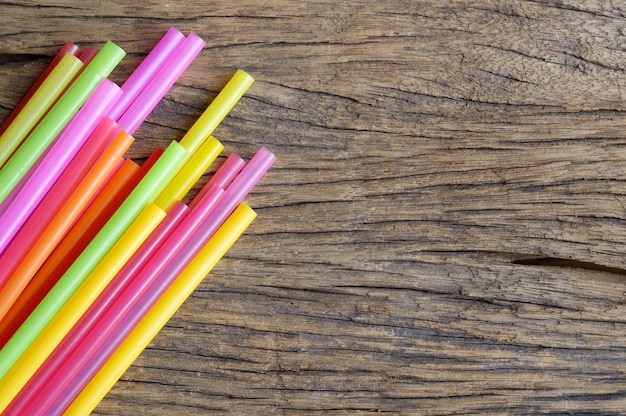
[58, 116]
[145, 192]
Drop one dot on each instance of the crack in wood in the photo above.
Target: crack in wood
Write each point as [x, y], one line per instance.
[569, 263]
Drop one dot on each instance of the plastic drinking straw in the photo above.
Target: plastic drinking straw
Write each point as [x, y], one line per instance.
[60, 155]
[70, 48]
[88, 224]
[15, 191]
[197, 164]
[161, 83]
[114, 192]
[79, 302]
[222, 177]
[232, 197]
[156, 318]
[53, 201]
[39, 103]
[58, 116]
[149, 187]
[146, 70]
[217, 110]
[34, 389]
[87, 55]
[62, 222]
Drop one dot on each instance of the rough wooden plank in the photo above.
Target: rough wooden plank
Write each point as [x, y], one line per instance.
[443, 230]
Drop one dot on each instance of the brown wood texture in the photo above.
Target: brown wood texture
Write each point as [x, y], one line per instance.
[443, 232]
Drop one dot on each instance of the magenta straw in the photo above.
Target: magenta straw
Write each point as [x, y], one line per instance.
[87, 344]
[232, 197]
[161, 83]
[222, 177]
[50, 367]
[146, 71]
[61, 153]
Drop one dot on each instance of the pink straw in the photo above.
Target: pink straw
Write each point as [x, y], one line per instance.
[146, 71]
[161, 83]
[234, 195]
[222, 177]
[61, 153]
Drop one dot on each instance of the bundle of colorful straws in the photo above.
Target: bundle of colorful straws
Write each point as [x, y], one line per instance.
[97, 252]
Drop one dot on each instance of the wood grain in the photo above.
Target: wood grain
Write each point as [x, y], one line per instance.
[443, 232]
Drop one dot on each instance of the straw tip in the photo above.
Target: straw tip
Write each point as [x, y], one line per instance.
[194, 38]
[105, 60]
[245, 212]
[234, 157]
[173, 30]
[113, 47]
[213, 139]
[240, 73]
[266, 154]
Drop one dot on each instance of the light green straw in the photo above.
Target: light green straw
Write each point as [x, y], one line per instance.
[58, 116]
[145, 192]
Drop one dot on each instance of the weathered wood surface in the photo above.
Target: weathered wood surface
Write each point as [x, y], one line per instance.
[444, 230]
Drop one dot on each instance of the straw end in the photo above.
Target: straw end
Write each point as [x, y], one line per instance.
[244, 77]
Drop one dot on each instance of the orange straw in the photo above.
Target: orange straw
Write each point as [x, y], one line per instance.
[113, 193]
[69, 47]
[64, 219]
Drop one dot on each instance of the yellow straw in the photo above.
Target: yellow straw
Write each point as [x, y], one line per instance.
[217, 110]
[190, 173]
[37, 106]
[78, 303]
[162, 311]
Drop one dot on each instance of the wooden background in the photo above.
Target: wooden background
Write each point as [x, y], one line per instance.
[443, 231]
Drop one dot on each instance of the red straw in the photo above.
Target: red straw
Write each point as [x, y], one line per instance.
[87, 55]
